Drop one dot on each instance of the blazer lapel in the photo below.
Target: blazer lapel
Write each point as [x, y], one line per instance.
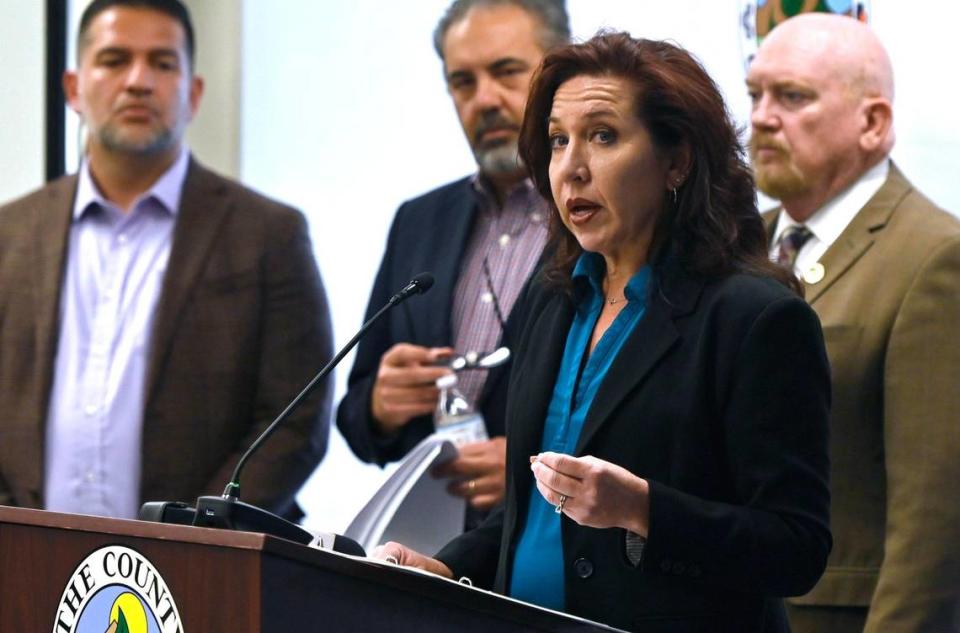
[51, 234]
[860, 234]
[203, 207]
[653, 337]
[433, 314]
[537, 375]
[857, 237]
[770, 217]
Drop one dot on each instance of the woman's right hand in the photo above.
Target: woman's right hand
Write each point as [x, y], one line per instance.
[403, 555]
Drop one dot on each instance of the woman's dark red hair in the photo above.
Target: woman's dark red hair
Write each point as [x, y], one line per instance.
[714, 227]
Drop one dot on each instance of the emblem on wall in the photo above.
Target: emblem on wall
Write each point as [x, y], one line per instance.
[116, 590]
[759, 17]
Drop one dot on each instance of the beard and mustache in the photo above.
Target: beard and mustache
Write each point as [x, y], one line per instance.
[778, 177]
[114, 138]
[499, 157]
[115, 135]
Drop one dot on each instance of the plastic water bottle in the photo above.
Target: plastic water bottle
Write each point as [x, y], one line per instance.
[455, 418]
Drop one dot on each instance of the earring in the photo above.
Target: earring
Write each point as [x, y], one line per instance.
[676, 186]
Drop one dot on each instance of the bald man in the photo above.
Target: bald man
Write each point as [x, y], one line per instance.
[881, 266]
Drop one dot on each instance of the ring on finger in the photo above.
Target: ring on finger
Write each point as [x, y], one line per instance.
[472, 486]
[559, 508]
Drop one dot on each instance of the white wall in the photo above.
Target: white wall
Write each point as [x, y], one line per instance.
[345, 115]
[922, 40]
[23, 60]
[214, 135]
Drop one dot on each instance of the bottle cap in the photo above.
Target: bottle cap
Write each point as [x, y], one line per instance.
[446, 381]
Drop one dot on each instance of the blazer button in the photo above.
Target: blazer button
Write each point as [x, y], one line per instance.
[679, 568]
[695, 571]
[666, 566]
[583, 568]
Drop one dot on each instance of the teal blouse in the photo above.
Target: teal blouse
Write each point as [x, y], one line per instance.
[538, 565]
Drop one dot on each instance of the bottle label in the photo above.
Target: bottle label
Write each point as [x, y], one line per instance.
[462, 429]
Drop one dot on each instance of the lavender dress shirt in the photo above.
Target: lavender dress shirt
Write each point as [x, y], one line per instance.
[112, 282]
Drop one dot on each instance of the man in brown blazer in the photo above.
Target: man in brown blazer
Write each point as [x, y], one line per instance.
[881, 266]
[154, 317]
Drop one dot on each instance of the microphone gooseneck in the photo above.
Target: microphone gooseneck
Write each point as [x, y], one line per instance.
[228, 512]
[418, 285]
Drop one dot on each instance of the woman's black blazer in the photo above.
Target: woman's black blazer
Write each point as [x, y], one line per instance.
[719, 399]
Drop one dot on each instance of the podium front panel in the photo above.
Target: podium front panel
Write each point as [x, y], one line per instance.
[79, 574]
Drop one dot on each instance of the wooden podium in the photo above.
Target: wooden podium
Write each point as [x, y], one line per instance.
[240, 582]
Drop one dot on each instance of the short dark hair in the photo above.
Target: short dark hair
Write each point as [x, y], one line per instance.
[714, 228]
[174, 8]
[552, 15]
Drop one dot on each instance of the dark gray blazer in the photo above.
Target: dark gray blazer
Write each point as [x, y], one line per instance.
[428, 234]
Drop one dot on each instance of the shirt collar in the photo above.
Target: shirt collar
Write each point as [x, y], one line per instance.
[488, 201]
[829, 221]
[167, 190]
[588, 276]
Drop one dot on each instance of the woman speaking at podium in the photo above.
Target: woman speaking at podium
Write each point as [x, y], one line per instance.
[667, 421]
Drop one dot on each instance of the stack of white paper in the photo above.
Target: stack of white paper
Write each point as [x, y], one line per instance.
[413, 507]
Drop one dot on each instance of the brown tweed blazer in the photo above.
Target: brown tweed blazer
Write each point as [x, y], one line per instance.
[242, 324]
[890, 307]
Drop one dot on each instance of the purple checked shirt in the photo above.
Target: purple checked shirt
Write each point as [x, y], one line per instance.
[114, 273]
[511, 238]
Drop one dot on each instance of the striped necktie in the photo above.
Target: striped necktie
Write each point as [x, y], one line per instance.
[791, 241]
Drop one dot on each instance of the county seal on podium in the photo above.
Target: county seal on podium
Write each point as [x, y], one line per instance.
[116, 590]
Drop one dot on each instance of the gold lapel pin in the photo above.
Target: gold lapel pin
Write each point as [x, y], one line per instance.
[814, 274]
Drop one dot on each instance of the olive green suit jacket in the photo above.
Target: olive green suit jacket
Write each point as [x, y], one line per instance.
[889, 302]
[242, 324]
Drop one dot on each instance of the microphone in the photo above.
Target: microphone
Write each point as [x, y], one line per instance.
[417, 286]
[227, 511]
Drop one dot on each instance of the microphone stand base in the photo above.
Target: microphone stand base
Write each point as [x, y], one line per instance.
[229, 514]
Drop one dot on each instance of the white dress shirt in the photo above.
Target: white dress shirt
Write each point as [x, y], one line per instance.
[828, 222]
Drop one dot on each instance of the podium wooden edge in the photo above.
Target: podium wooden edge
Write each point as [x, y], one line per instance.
[417, 585]
[131, 527]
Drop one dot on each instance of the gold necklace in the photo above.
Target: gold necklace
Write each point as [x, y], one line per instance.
[613, 300]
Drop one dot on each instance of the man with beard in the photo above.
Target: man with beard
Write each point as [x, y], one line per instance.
[481, 236]
[881, 266]
[154, 316]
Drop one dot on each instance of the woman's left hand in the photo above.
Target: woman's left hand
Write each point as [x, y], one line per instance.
[595, 493]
